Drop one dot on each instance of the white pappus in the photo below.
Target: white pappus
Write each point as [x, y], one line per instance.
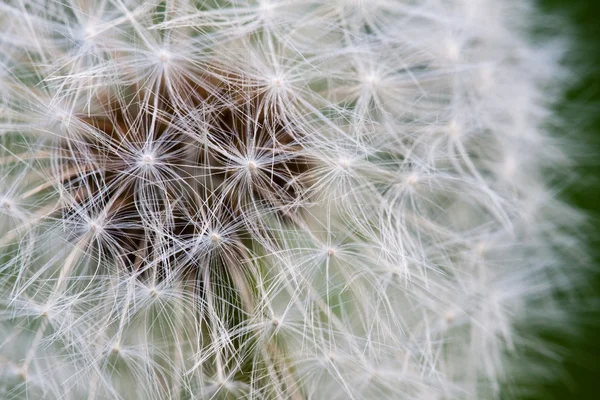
[277, 199]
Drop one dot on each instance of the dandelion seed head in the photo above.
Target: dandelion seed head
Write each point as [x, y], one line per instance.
[276, 199]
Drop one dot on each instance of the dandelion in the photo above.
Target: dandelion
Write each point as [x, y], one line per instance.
[275, 199]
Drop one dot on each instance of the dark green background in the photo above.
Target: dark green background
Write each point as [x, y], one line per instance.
[581, 115]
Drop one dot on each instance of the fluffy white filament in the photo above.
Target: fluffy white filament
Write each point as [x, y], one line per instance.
[274, 199]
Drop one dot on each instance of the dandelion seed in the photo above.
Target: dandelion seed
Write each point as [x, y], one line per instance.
[371, 80]
[147, 160]
[22, 374]
[450, 316]
[164, 56]
[215, 238]
[344, 163]
[455, 130]
[252, 166]
[6, 203]
[89, 32]
[412, 179]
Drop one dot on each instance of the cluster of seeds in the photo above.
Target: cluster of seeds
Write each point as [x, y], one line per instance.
[158, 182]
[274, 199]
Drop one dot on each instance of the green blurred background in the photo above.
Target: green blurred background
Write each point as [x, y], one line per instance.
[580, 368]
